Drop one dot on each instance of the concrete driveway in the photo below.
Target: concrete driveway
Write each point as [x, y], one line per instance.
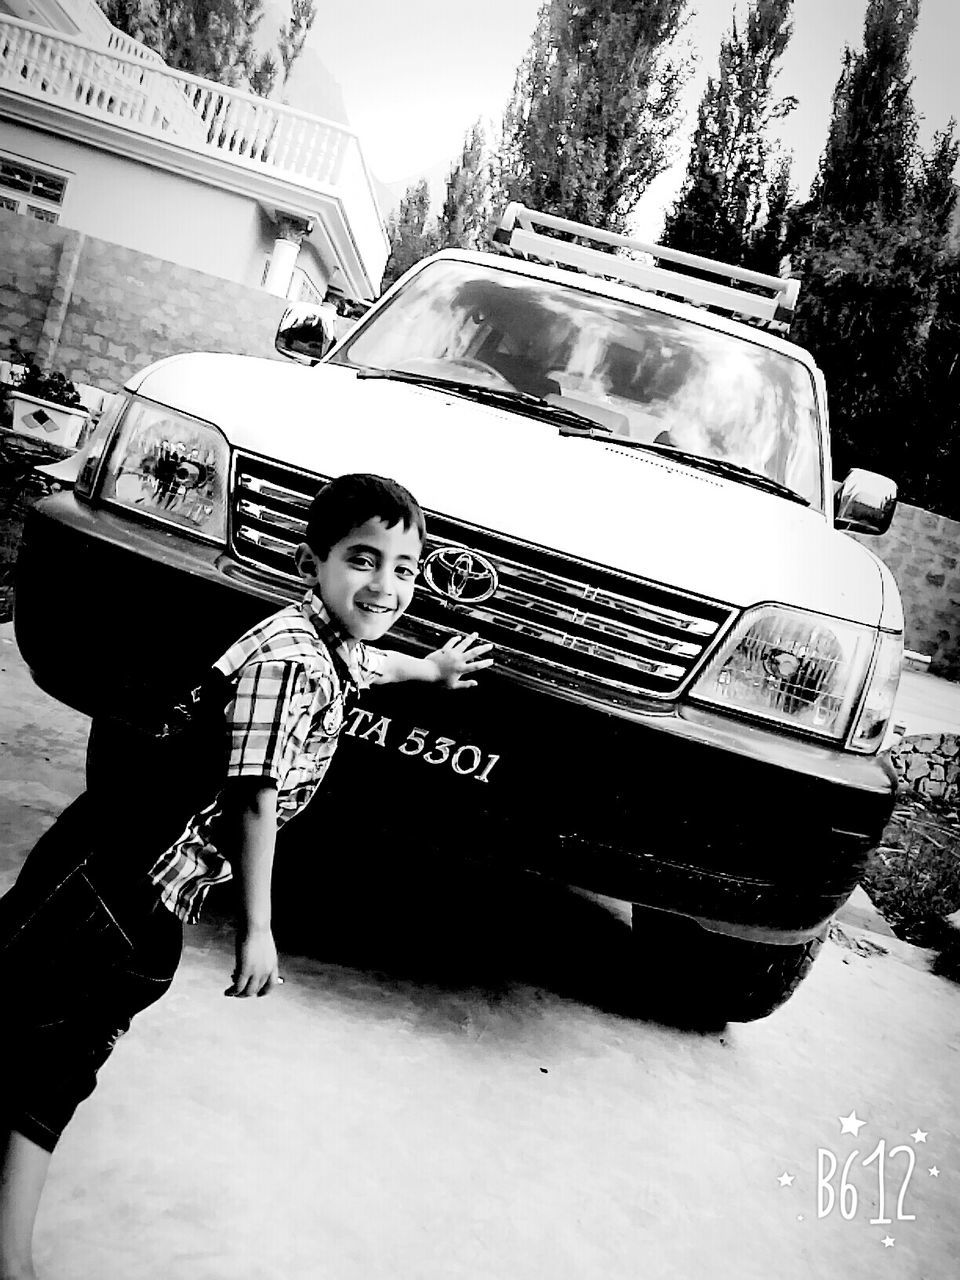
[458, 1083]
[927, 704]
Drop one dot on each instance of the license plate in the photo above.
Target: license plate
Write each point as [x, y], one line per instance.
[464, 758]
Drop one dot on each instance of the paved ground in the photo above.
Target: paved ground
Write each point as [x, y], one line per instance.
[928, 704]
[457, 1085]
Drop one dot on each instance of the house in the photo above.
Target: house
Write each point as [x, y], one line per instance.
[146, 182]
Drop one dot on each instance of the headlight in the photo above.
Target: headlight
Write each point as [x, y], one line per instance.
[169, 467]
[793, 668]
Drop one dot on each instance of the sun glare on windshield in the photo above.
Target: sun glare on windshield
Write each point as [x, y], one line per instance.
[640, 373]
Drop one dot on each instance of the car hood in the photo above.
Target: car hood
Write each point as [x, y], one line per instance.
[639, 513]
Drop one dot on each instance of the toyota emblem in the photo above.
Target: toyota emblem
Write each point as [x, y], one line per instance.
[460, 576]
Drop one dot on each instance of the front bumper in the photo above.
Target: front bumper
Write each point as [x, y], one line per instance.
[746, 830]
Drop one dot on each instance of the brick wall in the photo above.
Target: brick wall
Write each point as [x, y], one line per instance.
[922, 551]
[98, 312]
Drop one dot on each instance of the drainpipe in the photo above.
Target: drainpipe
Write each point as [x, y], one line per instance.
[286, 249]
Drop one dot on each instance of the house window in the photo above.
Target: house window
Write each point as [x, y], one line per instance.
[34, 192]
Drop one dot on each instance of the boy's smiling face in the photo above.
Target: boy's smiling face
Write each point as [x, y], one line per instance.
[366, 580]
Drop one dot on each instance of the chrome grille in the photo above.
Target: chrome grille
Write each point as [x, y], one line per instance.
[552, 618]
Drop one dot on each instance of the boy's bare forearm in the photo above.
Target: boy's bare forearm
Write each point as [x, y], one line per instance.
[256, 836]
[402, 666]
[252, 807]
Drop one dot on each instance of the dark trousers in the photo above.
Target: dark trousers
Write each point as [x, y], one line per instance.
[85, 944]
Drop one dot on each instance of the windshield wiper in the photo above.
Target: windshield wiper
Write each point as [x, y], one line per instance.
[525, 401]
[718, 465]
[571, 423]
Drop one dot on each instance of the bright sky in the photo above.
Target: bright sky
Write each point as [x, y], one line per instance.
[415, 74]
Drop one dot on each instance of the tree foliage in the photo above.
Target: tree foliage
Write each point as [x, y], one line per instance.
[865, 310]
[410, 233]
[469, 204]
[943, 400]
[215, 39]
[735, 192]
[293, 34]
[879, 297]
[768, 239]
[594, 107]
[868, 165]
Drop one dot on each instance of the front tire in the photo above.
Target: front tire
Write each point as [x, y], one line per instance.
[714, 978]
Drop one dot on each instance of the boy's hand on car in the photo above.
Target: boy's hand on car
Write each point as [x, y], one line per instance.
[460, 657]
[256, 972]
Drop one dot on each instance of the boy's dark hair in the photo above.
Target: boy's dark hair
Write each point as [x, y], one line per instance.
[351, 500]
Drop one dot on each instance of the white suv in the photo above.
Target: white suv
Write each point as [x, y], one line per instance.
[627, 482]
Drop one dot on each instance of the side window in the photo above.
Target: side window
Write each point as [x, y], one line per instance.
[27, 189]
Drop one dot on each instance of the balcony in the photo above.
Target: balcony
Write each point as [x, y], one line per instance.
[122, 96]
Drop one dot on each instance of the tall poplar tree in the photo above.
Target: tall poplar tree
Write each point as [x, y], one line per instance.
[871, 245]
[732, 202]
[468, 207]
[594, 107]
[868, 164]
[292, 35]
[410, 234]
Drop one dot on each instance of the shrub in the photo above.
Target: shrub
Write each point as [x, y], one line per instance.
[913, 876]
[43, 385]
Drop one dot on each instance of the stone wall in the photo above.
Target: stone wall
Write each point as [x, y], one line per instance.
[29, 255]
[929, 766]
[98, 312]
[922, 551]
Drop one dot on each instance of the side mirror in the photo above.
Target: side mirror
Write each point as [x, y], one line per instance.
[306, 333]
[865, 503]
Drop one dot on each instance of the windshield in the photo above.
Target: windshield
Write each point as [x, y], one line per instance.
[641, 374]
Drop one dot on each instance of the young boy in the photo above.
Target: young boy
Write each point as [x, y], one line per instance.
[92, 930]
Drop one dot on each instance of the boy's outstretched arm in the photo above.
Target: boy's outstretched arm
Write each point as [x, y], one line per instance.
[451, 665]
[252, 807]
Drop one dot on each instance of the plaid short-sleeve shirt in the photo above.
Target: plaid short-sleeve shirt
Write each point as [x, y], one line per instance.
[289, 677]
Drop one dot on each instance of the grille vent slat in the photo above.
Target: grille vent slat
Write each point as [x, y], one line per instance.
[575, 623]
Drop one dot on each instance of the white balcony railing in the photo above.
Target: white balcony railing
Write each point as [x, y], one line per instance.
[93, 25]
[126, 46]
[136, 91]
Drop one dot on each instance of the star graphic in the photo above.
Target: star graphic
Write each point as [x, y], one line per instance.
[918, 1135]
[850, 1124]
[786, 1179]
[887, 1242]
[933, 1171]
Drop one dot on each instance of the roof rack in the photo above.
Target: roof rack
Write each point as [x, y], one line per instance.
[517, 231]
